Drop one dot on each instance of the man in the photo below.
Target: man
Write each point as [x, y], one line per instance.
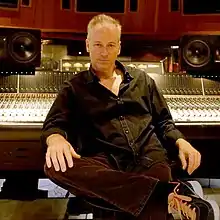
[106, 135]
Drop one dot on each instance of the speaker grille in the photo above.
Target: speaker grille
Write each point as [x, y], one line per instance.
[197, 53]
[23, 47]
[20, 50]
[200, 54]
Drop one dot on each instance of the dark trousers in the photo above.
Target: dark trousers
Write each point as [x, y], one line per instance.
[132, 192]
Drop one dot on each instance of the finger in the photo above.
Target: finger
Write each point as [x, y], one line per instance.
[191, 163]
[48, 161]
[68, 156]
[54, 160]
[183, 160]
[61, 160]
[198, 160]
[74, 154]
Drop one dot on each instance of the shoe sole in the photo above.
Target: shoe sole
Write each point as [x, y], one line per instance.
[197, 188]
[215, 208]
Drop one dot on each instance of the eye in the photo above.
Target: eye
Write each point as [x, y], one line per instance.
[111, 45]
[97, 45]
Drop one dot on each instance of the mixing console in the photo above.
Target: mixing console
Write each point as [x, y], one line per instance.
[24, 107]
[33, 107]
[189, 99]
[200, 109]
[194, 103]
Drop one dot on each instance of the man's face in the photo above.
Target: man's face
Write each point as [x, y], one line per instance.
[103, 46]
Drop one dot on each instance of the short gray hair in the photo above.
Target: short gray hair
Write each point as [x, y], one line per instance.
[103, 19]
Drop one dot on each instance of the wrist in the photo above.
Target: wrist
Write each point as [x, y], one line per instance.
[53, 137]
[179, 141]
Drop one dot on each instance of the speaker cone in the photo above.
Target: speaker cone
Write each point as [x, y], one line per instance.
[23, 47]
[197, 53]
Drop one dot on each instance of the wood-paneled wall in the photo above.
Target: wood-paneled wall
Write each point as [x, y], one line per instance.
[153, 20]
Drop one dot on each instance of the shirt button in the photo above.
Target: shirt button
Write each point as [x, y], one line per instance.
[130, 143]
[126, 131]
[121, 117]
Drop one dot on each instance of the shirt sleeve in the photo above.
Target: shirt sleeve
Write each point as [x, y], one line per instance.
[161, 116]
[60, 114]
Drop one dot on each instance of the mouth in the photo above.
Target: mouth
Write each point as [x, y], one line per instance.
[104, 60]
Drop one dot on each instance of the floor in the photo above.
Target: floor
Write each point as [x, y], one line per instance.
[54, 207]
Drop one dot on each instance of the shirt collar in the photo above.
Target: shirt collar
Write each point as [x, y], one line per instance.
[91, 76]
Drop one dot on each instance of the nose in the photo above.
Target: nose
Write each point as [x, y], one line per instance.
[104, 51]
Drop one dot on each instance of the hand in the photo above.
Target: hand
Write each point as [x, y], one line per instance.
[188, 154]
[58, 150]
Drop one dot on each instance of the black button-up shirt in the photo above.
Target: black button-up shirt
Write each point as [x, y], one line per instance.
[136, 124]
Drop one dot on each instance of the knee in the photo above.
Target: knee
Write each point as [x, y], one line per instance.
[46, 169]
[162, 172]
[165, 174]
[50, 172]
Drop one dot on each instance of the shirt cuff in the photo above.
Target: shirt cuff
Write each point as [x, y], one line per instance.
[173, 136]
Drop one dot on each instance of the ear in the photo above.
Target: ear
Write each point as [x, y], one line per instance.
[87, 45]
[119, 48]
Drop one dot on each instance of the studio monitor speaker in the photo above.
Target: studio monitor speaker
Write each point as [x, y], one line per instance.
[20, 49]
[200, 54]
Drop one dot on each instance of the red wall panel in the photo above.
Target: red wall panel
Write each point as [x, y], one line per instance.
[153, 20]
